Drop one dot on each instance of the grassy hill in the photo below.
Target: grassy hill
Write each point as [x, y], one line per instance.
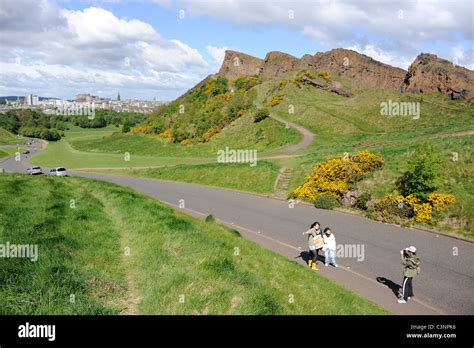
[112, 251]
[7, 138]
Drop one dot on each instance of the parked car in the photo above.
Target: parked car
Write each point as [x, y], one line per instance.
[34, 170]
[26, 152]
[59, 171]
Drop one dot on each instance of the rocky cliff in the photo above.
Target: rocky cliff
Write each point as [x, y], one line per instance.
[428, 73]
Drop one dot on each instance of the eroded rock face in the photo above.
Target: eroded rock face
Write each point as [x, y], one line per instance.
[277, 64]
[237, 64]
[361, 70]
[428, 73]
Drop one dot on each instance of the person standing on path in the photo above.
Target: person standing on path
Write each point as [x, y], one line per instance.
[313, 233]
[411, 268]
[329, 247]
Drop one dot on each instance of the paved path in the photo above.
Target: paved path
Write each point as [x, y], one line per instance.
[445, 285]
[308, 137]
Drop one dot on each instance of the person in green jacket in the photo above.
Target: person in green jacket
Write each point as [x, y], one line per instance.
[411, 268]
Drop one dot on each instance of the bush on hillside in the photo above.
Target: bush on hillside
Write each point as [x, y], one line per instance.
[334, 176]
[260, 115]
[326, 202]
[423, 174]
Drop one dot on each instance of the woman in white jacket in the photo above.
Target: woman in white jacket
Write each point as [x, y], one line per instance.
[329, 247]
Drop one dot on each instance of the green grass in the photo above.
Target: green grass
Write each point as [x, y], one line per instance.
[240, 134]
[238, 176]
[7, 138]
[61, 153]
[118, 251]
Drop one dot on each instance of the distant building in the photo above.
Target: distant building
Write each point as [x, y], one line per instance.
[31, 100]
[118, 96]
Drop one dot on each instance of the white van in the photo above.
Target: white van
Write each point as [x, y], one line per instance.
[59, 171]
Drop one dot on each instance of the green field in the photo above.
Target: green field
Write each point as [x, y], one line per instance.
[243, 133]
[237, 176]
[114, 251]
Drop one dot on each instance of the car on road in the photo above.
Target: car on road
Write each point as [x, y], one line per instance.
[59, 171]
[34, 171]
[26, 152]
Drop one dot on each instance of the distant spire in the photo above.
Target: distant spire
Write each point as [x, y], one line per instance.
[118, 96]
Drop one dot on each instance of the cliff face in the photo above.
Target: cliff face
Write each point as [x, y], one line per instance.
[277, 64]
[361, 70]
[239, 64]
[428, 73]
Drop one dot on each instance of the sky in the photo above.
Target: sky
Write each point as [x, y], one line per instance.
[148, 49]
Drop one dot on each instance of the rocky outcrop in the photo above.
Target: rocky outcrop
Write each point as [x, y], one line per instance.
[277, 64]
[239, 64]
[428, 73]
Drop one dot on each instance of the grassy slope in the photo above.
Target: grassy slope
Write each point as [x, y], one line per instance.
[7, 138]
[61, 153]
[240, 134]
[257, 179]
[352, 124]
[81, 253]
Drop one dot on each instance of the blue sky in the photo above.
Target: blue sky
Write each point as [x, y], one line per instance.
[144, 49]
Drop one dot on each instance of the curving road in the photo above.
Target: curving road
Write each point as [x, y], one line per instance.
[445, 285]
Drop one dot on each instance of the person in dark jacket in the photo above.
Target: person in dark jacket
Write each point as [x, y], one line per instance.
[313, 231]
[411, 268]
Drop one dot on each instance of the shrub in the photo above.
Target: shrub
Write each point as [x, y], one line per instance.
[210, 132]
[282, 84]
[440, 201]
[276, 99]
[422, 212]
[326, 202]
[260, 115]
[167, 134]
[362, 201]
[335, 174]
[423, 174]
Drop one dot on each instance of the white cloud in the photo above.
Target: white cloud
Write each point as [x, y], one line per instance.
[382, 56]
[401, 29]
[90, 50]
[217, 53]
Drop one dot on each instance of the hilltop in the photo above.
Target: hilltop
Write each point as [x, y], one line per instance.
[427, 73]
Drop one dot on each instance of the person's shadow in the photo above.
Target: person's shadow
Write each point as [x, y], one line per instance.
[306, 256]
[390, 284]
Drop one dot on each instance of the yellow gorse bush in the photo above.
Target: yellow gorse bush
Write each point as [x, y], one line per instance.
[423, 212]
[144, 129]
[210, 132]
[333, 176]
[420, 211]
[440, 201]
[167, 134]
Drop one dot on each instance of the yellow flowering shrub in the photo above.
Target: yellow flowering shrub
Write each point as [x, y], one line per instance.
[423, 212]
[185, 142]
[440, 201]
[333, 176]
[210, 132]
[143, 129]
[411, 207]
[276, 99]
[282, 84]
[167, 134]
